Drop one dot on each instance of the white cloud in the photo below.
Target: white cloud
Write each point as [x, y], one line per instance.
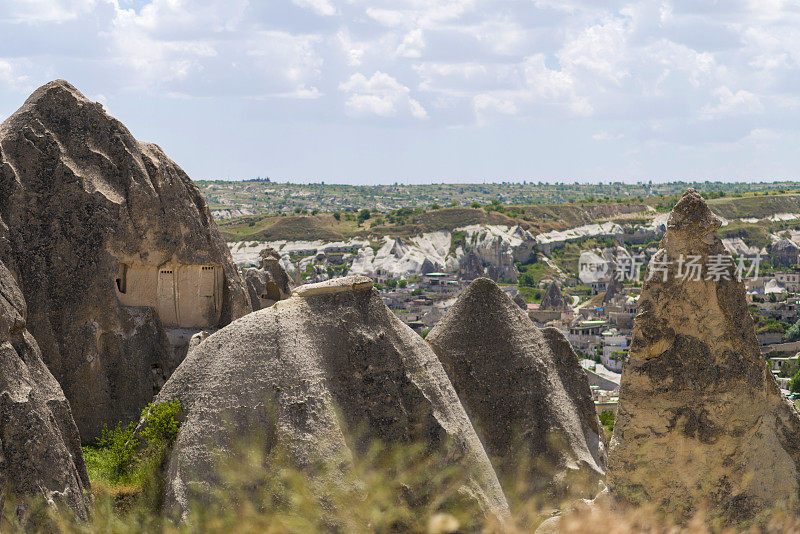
[380, 95]
[320, 7]
[729, 103]
[606, 136]
[637, 69]
[412, 45]
[45, 11]
[10, 76]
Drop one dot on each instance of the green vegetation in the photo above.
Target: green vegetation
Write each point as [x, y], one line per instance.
[458, 238]
[531, 274]
[123, 458]
[271, 197]
[793, 333]
[607, 420]
[794, 383]
[767, 324]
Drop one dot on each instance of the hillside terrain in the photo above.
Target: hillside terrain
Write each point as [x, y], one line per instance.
[536, 218]
[238, 198]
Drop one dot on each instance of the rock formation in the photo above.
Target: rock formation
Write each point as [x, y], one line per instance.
[40, 450]
[701, 423]
[524, 389]
[784, 252]
[613, 289]
[553, 299]
[329, 362]
[269, 283]
[111, 242]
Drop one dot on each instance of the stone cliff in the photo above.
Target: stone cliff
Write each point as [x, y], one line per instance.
[111, 242]
[701, 423]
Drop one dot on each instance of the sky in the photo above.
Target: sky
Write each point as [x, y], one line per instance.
[419, 91]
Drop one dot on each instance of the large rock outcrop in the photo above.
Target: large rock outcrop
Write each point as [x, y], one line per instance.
[701, 423]
[269, 283]
[330, 362]
[111, 242]
[524, 389]
[553, 298]
[40, 451]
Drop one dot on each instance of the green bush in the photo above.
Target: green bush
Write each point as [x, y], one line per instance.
[793, 334]
[161, 424]
[120, 445]
[120, 457]
[607, 419]
[794, 383]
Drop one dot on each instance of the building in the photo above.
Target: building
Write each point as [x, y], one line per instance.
[789, 279]
[786, 367]
[585, 336]
[615, 349]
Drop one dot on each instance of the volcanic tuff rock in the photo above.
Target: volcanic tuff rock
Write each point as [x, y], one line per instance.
[110, 242]
[553, 299]
[40, 450]
[613, 289]
[701, 423]
[329, 362]
[269, 283]
[784, 252]
[524, 389]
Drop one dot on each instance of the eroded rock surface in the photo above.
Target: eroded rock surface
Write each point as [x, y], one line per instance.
[40, 451]
[701, 423]
[111, 242]
[553, 298]
[269, 283]
[524, 389]
[331, 362]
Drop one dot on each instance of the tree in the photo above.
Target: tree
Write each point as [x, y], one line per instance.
[402, 284]
[363, 215]
[793, 334]
[337, 215]
[794, 383]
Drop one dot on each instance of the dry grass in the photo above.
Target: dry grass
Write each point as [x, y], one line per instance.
[400, 489]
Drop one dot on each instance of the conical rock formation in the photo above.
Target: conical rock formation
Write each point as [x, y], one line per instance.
[523, 388]
[701, 423]
[40, 451]
[110, 242]
[553, 299]
[329, 362]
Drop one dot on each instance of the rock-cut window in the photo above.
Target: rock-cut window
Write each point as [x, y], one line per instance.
[122, 278]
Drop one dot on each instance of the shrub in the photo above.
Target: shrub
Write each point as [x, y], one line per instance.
[161, 424]
[607, 419]
[117, 456]
[120, 445]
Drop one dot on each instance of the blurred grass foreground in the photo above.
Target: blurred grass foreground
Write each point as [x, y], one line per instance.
[403, 488]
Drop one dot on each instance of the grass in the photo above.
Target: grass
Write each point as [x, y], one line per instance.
[757, 206]
[404, 488]
[126, 461]
[323, 226]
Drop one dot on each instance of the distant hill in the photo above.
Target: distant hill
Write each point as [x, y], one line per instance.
[324, 226]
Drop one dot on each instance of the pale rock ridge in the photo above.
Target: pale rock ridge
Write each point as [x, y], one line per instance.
[701, 423]
[40, 450]
[329, 362]
[96, 221]
[524, 389]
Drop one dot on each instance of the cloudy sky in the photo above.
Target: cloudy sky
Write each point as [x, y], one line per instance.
[377, 91]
